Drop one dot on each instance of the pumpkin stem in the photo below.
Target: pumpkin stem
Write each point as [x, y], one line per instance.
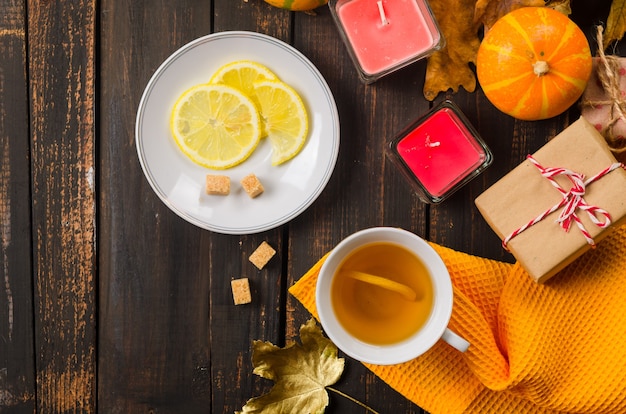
[541, 67]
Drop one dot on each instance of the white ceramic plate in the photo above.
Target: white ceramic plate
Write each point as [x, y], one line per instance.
[289, 188]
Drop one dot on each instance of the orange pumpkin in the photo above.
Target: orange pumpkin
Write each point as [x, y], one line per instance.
[297, 5]
[534, 63]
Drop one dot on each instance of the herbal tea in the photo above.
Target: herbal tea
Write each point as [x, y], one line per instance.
[373, 309]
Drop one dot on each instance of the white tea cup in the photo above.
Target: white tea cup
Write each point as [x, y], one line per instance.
[437, 296]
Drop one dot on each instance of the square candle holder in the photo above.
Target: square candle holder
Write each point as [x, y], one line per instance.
[439, 153]
[383, 36]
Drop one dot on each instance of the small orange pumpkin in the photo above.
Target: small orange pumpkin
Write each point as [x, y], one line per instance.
[297, 5]
[534, 63]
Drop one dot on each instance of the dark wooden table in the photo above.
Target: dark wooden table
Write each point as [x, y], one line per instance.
[111, 303]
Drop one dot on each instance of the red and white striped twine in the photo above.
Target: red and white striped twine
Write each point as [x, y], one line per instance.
[572, 200]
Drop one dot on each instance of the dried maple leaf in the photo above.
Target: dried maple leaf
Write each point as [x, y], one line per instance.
[301, 373]
[562, 6]
[449, 68]
[616, 23]
[488, 12]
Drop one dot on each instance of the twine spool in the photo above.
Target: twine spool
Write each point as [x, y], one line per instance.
[608, 73]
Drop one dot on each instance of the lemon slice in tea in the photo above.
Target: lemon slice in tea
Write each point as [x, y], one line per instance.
[286, 119]
[216, 126]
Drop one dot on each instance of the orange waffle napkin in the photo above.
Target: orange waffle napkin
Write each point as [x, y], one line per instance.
[557, 347]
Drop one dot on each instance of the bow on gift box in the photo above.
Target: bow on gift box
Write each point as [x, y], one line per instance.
[571, 202]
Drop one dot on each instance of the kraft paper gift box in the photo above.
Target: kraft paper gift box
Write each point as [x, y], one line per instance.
[524, 195]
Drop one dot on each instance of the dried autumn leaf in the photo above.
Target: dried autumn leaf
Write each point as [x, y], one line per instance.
[616, 23]
[487, 12]
[449, 67]
[562, 6]
[301, 373]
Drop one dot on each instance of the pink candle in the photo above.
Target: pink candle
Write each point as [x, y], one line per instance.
[385, 35]
[440, 153]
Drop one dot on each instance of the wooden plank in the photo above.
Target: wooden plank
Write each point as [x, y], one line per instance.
[17, 363]
[364, 191]
[61, 46]
[233, 328]
[255, 16]
[153, 266]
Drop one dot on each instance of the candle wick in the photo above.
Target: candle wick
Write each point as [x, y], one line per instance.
[383, 17]
[431, 144]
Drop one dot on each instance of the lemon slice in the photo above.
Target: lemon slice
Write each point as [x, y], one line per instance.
[216, 126]
[241, 75]
[404, 290]
[285, 117]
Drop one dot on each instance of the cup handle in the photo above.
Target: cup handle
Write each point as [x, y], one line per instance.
[455, 340]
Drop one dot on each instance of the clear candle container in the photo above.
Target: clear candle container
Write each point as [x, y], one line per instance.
[383, 36]
[439, 152]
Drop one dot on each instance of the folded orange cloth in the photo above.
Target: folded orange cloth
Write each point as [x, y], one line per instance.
[557, 347]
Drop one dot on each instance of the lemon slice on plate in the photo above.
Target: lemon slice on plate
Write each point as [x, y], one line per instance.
[241, 75]
[286, 119]
[216, 126]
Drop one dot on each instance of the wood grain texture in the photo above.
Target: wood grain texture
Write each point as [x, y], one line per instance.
[61, 42]
[153, 266]
[17, 364]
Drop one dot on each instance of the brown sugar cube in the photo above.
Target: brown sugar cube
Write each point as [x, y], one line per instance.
[262, 255]
[252, 185]
[241, 291]
[217, 184]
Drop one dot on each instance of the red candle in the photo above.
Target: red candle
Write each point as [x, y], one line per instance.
[440, 153]
[385, 35]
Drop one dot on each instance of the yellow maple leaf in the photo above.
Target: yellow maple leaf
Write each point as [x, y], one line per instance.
[301, 373]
